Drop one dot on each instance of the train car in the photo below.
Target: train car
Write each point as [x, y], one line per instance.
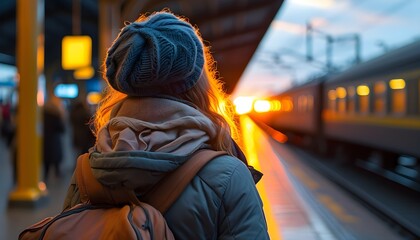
[374, 109]
[376, 104]
[369, 112]
[298, 116]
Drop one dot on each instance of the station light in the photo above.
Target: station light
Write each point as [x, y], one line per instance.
[94, 98]
[262, 106]
[84, 73]
[397, 84]
[76, 52]
[362, 90]
[66, 90]
[40, 54]
[40, 96]
[243, 105]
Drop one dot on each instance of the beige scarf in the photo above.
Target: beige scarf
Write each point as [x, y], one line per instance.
[156, 125]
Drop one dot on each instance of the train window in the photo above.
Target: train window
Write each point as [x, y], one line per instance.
[275, 105]
[363, 93]
[379, 90]
[305, 103]
[398, 96]
[397, 84]
[287, 104]
[351, 100]
[341, 99]
[302, 103]
[262, 105]
[310, 103]
[332, 100]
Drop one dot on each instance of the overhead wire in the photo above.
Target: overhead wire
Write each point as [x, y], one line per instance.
[297, 41]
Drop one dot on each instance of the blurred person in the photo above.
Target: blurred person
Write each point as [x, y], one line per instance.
[7, 123]
[54, 128]
[11, 139]
[162, 104]
[82, 136]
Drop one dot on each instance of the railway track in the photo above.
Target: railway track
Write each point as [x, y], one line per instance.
[395, 204]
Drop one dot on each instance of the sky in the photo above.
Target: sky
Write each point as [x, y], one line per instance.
[280, 60]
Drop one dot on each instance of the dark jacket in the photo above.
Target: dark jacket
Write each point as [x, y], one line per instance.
[54, 128]
[221, 202]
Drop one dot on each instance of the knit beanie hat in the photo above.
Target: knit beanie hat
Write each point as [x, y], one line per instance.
[161, 55]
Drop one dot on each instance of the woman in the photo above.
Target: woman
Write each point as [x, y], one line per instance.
[164, 103]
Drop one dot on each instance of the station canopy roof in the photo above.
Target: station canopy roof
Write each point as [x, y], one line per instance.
[233, 28]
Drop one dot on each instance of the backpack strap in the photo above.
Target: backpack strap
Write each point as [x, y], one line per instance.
[161, 196]
[92, 191]
[175, 182]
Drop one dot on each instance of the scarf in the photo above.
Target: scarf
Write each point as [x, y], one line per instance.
[155, 125]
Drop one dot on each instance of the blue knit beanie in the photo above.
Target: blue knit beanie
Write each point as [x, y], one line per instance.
[161, 55]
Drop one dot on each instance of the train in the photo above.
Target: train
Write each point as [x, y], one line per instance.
[368, 114]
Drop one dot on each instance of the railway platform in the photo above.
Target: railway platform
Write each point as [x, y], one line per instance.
[289, 208]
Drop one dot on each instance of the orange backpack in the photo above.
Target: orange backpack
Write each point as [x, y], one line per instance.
[117, 214]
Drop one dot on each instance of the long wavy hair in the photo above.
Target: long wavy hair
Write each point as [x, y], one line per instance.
[207, 95]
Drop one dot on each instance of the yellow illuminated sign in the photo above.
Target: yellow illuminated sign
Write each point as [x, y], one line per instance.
[76, 52]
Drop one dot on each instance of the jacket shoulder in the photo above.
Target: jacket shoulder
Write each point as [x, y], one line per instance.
[218, 173]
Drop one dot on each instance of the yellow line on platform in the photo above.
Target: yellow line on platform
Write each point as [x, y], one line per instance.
[248, 129]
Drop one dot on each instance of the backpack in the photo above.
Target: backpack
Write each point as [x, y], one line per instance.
[107, 213]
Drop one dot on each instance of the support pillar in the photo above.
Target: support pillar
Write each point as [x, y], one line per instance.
[109, 26]
[29, 127]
